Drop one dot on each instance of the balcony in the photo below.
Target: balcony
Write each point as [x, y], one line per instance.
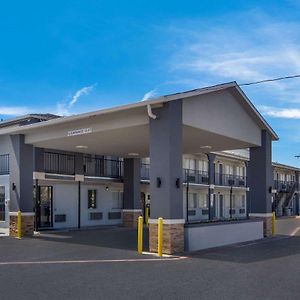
[102, 167]
[4, 164]
[195, 176]
[230, 180]
[283, 186]
[59, 163]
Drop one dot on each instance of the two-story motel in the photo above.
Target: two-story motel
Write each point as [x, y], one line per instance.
[94, 169]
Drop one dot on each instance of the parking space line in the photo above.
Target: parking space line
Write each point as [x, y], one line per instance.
[95, 261]
[295, 231]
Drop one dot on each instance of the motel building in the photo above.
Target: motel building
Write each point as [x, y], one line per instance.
[174, 155]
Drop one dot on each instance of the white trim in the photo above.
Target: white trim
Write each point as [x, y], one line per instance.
[260, 215]
[39, 175]
[79, 177]
[59, 175]
[14, 213]
[167, 221]
[132, 210]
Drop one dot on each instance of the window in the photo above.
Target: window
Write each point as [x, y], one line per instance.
[203, 201]
[203, 165]
[192, 201]
[2, 203]
[92, 199]
[4, 164]
[233, 201]
[117, 200]
[243, 201]
[240, 171]
[228, 169]
[189, 163]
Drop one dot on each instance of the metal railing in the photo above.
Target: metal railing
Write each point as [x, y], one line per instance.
[4, 164]
[284, 186]
[102, 167]
[195, 176]
[59, 163]
[230, 180]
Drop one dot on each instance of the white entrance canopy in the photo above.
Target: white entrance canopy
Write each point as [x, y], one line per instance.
[214, 118]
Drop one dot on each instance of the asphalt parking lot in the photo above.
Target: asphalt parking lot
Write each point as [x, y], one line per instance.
[102, 264]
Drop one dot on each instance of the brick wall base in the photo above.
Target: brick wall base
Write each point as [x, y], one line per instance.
[173, 238]
[27, 225]
[130, 218]
[267, 225]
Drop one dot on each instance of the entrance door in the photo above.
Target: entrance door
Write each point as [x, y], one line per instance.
[221, 206]
[213, 206]
[2, 203]
[220, 174]
[45, 207]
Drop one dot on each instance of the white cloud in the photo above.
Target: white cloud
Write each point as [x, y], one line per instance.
[149, 95]
[244, 53]
[14, 110]
[64, 108]
[275, 112]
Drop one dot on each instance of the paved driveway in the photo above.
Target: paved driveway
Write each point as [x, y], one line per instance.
[100, 268]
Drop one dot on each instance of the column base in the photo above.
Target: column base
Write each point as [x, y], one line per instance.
[27, 224]
[267, 219]
[173, 236]
[130, 217]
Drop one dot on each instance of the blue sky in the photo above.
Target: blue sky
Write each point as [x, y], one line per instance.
[74, 56]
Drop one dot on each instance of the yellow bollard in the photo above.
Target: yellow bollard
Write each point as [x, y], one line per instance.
[273, 224]
[140, 235]
[19, 226]
[160, 237]
[147, 215]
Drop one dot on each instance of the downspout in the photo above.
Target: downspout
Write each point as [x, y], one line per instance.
[150, 113]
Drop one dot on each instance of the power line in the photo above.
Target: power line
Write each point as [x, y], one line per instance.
[270, 80]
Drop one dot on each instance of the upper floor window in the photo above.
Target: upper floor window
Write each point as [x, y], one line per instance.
[240, 171]
[189, 163]
[229, 169]
[203, 165]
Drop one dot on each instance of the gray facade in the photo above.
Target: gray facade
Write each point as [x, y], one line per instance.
[166, 162]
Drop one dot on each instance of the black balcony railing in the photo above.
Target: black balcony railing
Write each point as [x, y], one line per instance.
[102, 167]
[59, 163]
[230, 180]
[4, 164]
[195, 176]
[284, 186]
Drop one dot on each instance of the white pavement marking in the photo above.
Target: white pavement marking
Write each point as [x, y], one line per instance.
[295, 231]
[96, 261]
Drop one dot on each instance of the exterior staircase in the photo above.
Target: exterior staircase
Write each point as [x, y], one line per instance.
[284, 199]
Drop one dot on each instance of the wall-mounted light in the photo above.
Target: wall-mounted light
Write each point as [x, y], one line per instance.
[177, 183]
[158, 182]
[106, 188]
[13, 187]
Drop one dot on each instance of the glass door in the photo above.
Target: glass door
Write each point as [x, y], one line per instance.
[2, 203]
[45, 206]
